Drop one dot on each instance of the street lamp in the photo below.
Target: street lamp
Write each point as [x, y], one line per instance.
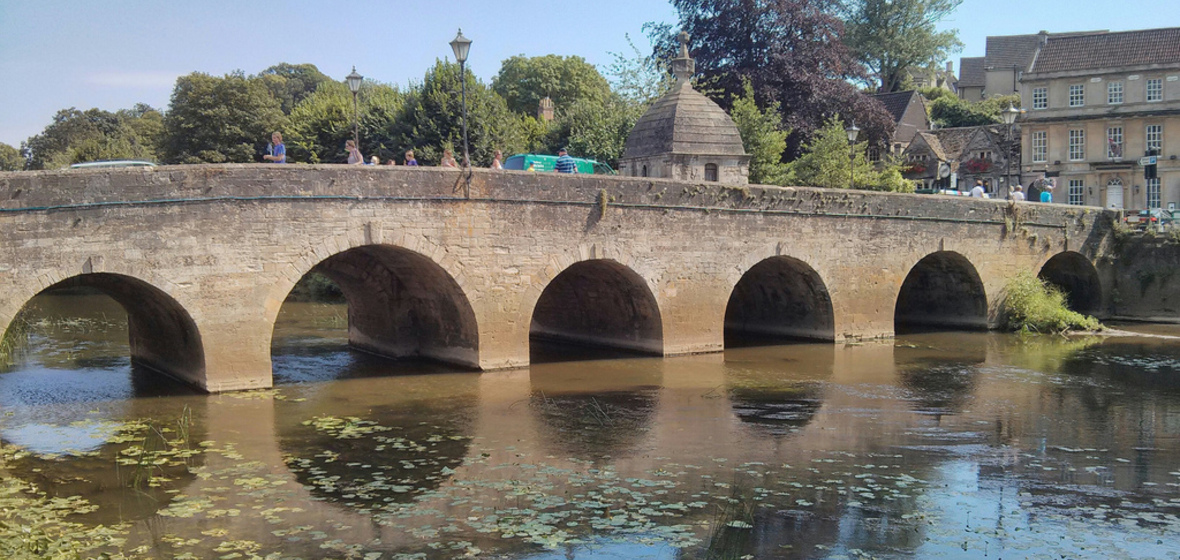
[852, 132]
[461, 45]
[354, 85]
[1009, 115]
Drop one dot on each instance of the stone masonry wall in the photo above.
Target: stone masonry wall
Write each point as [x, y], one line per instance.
[228, 242]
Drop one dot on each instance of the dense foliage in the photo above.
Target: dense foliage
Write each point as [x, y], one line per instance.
[76, 136]
[792, 53]
[220, 120]
[830, 162]
[10, 158]
[892, 37]
[1032, 305]
[763, 138]
[950, 111]
[523, 82]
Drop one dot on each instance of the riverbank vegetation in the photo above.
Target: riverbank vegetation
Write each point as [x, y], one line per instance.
[1032, 305]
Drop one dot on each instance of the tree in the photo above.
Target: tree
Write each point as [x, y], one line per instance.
[77, 136]
[826, 164]
[523, 82]
[893, 36]
[790, 51]
[595, 129]
[638, 78]
[322, 122]
[431, 118]
[762, 137]
[10, 158]
[292, 83]
[950, 111]
[220, 120]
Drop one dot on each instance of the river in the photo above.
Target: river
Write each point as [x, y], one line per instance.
[936, 445]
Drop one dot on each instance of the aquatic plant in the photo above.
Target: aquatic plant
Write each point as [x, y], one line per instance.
[1033, 305]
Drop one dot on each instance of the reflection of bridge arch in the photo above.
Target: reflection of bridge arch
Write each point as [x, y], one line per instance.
[781, 296]
[1075, 275]
[599, 302]
[402, 304]
[941, 290]
[161, 334]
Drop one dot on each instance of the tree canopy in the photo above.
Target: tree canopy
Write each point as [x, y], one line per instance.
[830, 162]
[322, 122]
[893, 36]
[792, 53]
[292, 83]
[220, 119]
[77, 136]
[524, 81]
[10, 158]
[762, 137]
[950, 111]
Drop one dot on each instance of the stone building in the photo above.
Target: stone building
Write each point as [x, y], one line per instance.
[685, 136]
[956, 157]
[1095, 104]
[1006, 58]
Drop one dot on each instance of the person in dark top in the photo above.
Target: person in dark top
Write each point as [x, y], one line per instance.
[565, 163]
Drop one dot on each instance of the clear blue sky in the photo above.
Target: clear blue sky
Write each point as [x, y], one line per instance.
[111, 54]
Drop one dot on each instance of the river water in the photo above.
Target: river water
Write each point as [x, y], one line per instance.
[939, 445]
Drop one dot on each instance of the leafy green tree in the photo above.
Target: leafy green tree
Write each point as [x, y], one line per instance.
[950, 111]
[220, 119]
[639, 78]
[78, 136]
[595, 129]
[431, 118]
[892, 36]
[762, 137]
[10, 158]
[524, 81]
[322, 122]
[829, 162]
[292, 83]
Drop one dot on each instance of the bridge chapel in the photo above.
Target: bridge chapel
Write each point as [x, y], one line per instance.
[685, 136]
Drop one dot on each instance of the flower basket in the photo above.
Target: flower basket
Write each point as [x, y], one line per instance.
[977, 165]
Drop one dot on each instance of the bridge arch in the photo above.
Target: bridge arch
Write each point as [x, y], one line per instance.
[943, 290]
[401, 303]
[1075, 275]
[162, 335]
[781, 296]
[599, 302]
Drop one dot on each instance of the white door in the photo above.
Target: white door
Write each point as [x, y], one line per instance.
[1114, 194]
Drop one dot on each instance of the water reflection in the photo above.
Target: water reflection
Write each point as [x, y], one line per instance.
[930, 446]
[598, 410]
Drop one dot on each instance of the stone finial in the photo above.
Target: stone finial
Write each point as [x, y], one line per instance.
[683, 66]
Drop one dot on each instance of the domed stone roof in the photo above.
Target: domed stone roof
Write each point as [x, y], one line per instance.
[684, 121]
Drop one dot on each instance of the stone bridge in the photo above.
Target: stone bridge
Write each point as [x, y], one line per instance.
[468, 269]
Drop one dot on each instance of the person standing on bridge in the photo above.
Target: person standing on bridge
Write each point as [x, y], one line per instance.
[448, 160]
[496, 157]
[978, 191]
[354, 153]
[565, 163]
[410, 158]
[1047, 191]
[275, 151]
[1017, 193]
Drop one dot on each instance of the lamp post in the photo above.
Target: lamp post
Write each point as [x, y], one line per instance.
[462, 45]
[354, 85]
[852, 132]
[1009, 115]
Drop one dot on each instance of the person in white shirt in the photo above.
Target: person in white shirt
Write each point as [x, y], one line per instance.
[978, 191]
[1017, 193]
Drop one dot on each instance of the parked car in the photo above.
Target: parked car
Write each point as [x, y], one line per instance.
[543, 162]
[113, 163]
[1150, 218]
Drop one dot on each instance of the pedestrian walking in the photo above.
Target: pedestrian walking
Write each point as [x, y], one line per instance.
[496, 157]
[354, 153]
[410, 158]
[565, 163]
[978, 191]
[276, 151]
[1017, 193]
[448, 159]
[1047, 191]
